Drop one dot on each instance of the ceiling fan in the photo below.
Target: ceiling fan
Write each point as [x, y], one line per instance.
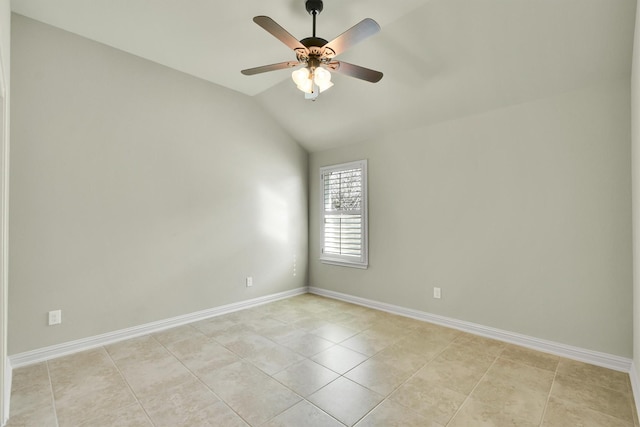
[315, 56]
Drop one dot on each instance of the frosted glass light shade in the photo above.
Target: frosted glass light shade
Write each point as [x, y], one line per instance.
[322, 78]
[306, 81]
[301, 78]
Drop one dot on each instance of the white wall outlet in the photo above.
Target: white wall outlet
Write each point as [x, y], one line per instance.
[249, 281]
[437, 293]
[55, 317]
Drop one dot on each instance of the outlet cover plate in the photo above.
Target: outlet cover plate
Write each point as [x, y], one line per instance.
[55, 317]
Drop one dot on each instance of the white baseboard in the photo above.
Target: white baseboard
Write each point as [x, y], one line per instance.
[576, 353]
[51, 352]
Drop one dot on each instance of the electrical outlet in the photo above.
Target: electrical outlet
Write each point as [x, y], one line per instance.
[437, 293]
[55, 317]
[249, 281]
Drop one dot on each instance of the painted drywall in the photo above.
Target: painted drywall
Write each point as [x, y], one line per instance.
[139, 193]
[522, 216]
[5, 61]
[635, 159]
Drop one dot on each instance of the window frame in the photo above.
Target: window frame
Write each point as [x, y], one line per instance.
[347, 260]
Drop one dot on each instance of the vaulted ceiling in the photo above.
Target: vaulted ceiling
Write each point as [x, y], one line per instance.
[441, 59]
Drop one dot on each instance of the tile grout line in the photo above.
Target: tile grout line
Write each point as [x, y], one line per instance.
[53, 396]
[198, 378]
[340, 375]
[133, 393]
[308, 358]
[302, 398]
[403, 382]
[546, 404]
[436, 355]
[474, 388]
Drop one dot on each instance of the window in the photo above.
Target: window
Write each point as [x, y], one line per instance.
[343, 233]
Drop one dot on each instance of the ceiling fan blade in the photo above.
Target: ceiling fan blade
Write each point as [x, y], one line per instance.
[363, 29]
[356, 71]
[272, 67]
[278, 32]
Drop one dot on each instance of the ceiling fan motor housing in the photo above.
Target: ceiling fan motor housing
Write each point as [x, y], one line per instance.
[310, 42]
[314, 6]
[316, 52]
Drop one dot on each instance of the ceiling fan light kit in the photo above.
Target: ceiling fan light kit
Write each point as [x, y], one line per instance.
[315, 56]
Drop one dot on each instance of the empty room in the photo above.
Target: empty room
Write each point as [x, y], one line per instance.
[319, 213]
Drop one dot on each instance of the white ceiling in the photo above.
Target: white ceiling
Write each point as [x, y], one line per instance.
[442, 59]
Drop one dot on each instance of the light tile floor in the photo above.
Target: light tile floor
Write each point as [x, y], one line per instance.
[312, 361]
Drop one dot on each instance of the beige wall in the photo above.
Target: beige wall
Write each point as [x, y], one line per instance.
[635, 141]
[5, 57]
[139, 193]
[520, 215]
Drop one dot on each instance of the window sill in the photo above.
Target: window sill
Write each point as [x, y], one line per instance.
[344, 264]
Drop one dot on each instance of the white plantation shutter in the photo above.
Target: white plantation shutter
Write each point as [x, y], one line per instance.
[344, 214]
